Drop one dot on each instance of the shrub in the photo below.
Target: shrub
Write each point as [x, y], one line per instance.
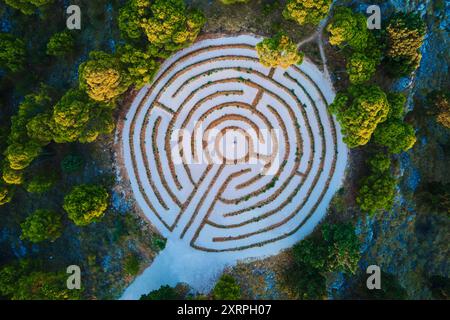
[60, 44]
[42, 225]
[227, 288]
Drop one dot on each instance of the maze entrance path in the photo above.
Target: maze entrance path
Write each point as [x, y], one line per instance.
[229, 159]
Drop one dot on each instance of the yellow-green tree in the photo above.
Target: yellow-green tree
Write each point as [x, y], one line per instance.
[396, 135]
[11, 176]
[42, 225]
[77, 118]
[306, 11]
[6, 193]
[359, 111]
[28, 6]
[360, 68]
[405, 35]
[348, 28]
[86, 204]
[279, 51]
[12, 53]
[167, 24]
[102, 78]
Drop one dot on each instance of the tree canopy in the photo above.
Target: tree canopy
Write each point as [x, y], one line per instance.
[227, 288]
[28, 6]
[86, 204]
[60, 44]
[306, 11]
[42, 225]
[102, 78]
[361, 68]
[6, 193]
[348, 28]
[167, 24]
[405, 35]
[396, 135]
[279, 51]
[12, 53]
[359, 111]
[78, 118]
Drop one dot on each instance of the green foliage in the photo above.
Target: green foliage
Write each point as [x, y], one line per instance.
[77, 118]
[131, 265]
[12, 53]
[167, 24]
[6, 193]
[140, 65]
[163, 293]
[41, 182]
[227, 288]
[360, 68]
[359, 111]
[19, 281]
[397, 103]
[396, 135]
[343, 247]
[72, 163]
[20, 155]
[86, 204]
[336, 249]
[380, 163]
[28, 6]
[307, 11]
[377, 193]
[405, 35]
[39, 128]
[42, 225]
[60, 44]
[279, 51]
[348, 28]
[102, 78]
[11, 176]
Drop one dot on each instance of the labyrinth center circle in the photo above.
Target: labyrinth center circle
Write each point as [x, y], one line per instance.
[279, 150]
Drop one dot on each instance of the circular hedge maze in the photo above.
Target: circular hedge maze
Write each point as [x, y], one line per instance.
[227, 155]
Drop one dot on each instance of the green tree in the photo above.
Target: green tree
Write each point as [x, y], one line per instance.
[140, 65]
[306, 11]
[397, 103]
[39, 128]
[305, 282]
[405, 35]
[6, 193]
[11, 176]
[41, 182]
[360, 68]
[377, 193]
[279, 51]
[131, 264]
[102, 78]
[439, 102]
[359, 111]
[42, 225]
[396, 135]
[163, 293]
[379, 163]
[60, 44]
[12, 53]
[167, 24]
[28, 6]
[348, 28]
[77, 118]
[20, 156]
[227, 288]
[344, 246]
[311, 252]
[86, 204]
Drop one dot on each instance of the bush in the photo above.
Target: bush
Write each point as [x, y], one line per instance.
[41, 183]
[132, 264]
[12, 53]
[6, 194]
[227, 288]
[396, 135]
[86, 204]
[42, 225]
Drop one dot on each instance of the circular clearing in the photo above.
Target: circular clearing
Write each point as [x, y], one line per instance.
[227, 155]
